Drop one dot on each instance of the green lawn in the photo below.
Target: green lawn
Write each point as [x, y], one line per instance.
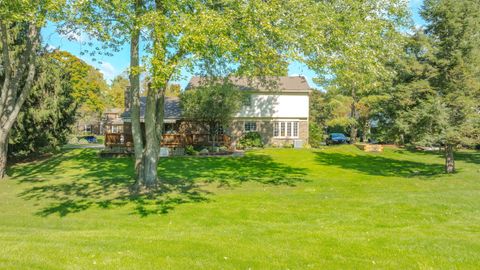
[337, 208]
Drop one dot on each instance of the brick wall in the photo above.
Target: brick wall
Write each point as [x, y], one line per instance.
[265, 128]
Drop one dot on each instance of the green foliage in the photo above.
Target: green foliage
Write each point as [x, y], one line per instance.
[173, 90]
[359, 44]
[45, 120]
[250, 140]
[453, 28]
[116, 93]
[214, 103]
[435, 98]
[89, 88]
[190, 150]
[316, 136]
[412, 86]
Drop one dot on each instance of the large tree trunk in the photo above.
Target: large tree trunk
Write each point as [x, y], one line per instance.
[3, 154]
[153, 131]
[449, 160]
[18, 76]
[135, 97]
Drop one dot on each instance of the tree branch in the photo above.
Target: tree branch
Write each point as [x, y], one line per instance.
[17, 102]
[30, 48]
[7, 66]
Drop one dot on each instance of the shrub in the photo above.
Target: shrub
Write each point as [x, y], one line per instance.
[250, 139]
[214, 149]
[316, 135]
[287, 145]
[189, 150]
[73, 140]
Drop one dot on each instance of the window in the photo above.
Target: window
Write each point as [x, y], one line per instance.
[295, 129]
[250, 126]
[276, 129]
[285, 129]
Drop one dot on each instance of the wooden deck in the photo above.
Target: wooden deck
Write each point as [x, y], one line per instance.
[121, 140]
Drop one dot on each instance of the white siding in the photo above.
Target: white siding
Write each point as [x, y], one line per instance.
[276, 106]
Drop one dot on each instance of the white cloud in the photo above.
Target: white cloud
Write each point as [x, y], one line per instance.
[107, 70]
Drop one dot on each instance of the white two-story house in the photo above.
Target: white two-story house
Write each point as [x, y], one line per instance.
[277, 108]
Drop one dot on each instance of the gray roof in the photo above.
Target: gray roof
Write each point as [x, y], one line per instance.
[172, 108]
[268, 83]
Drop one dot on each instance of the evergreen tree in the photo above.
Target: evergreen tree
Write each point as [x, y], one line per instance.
[405, 118]
[45, 121]
[436, 95]
[21, 22]
[453, 26]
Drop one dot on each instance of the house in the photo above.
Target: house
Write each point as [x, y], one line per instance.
[277, 108]
[112, 121]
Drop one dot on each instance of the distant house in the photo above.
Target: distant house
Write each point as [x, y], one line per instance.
[277, 108]
[112, 121]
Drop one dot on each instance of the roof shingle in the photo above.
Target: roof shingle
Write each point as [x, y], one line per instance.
[269, 83]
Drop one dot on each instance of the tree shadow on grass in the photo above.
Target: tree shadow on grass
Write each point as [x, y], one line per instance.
[231, 171]
[77, 180]
[374, 164]
[85, 180]
[468, 156]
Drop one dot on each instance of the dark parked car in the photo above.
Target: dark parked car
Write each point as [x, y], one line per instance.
[336, 138]
[91, 139]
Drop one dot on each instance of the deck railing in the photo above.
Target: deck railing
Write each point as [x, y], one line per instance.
[168, 140]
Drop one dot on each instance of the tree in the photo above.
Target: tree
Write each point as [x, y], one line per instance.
[214, 103]
[45, 120]
[453, 29]
[117, 90]
[173, 90]
[404, 117]
[90, 91]
[361, 42]
[114, 23]
[20, 25]
[218, 38]
[438, 86]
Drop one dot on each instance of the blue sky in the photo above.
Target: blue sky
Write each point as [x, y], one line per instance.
[112, 66]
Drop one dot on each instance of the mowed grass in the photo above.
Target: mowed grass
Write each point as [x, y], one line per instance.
[335, 208]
